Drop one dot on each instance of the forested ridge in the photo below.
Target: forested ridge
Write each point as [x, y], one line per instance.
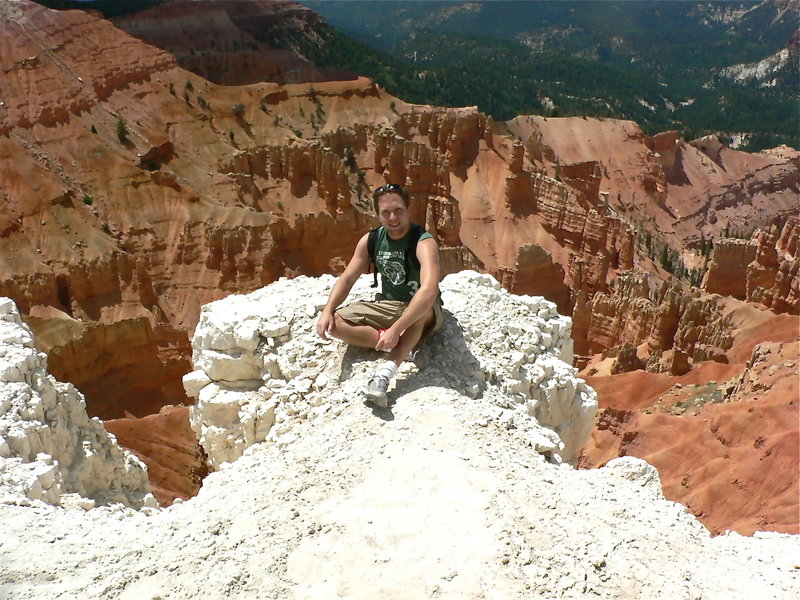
[657, 63]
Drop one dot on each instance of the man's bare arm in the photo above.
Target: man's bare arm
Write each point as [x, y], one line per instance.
[358, 264]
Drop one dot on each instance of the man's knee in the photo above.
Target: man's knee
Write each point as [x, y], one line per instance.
[418, 326]
[338, 321]
[428, 319]
[340, 326]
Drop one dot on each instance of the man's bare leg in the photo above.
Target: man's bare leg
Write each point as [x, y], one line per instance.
[379, 383]
[364, 336]
[410, 339]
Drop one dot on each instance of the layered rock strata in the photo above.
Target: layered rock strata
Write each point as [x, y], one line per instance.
[763, 269]
[667, 318]
[125, 367]
[50, 451]
[259, 364]
[677, 191]
[727, 267]
[164, 441]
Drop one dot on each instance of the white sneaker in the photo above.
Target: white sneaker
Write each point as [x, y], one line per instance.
[375, 392]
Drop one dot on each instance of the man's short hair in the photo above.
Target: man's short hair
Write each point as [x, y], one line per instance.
[391, 188]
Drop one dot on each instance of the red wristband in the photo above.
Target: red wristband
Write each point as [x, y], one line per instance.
[380, 334]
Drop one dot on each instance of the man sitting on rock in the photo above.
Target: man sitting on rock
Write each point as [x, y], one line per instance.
[408, 307]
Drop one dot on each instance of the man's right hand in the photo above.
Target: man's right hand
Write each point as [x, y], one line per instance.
[325, 325]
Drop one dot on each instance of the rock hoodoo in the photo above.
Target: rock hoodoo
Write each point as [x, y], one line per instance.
[667, 318]
[763, 269]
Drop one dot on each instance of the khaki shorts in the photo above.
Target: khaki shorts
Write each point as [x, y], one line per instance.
[381, 314]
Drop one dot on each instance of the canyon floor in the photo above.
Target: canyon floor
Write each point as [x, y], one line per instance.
[724, 436]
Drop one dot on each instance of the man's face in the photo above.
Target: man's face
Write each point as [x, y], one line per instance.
[393, 214]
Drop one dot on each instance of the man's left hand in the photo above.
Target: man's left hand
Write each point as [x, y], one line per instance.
[388, 340]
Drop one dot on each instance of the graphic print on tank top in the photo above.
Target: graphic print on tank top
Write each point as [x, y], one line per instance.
[391, 265]
[390, 259]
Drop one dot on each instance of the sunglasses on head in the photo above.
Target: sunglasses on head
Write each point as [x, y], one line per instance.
[389, 188]
[385, 189]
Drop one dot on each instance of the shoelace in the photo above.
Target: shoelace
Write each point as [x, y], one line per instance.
[380, 381]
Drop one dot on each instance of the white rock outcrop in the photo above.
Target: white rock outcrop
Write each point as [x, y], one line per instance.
[764, 72]
[259, 363]
[434, 500]
[50, 450]
[448, 494]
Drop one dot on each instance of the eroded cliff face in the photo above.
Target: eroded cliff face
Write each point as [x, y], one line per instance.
[126, 215]
[176, 463]
[679, 192]
[228, 41]
[121, 210]
[125, 366]
[678, 326]
[763, 269]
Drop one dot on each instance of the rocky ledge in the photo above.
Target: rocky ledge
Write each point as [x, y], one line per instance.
[451, 492]
[259, 362]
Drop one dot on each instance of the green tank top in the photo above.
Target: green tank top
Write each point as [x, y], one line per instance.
[396, 284]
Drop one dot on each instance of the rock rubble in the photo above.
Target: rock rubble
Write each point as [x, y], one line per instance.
[434, 501]
[50, 451]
